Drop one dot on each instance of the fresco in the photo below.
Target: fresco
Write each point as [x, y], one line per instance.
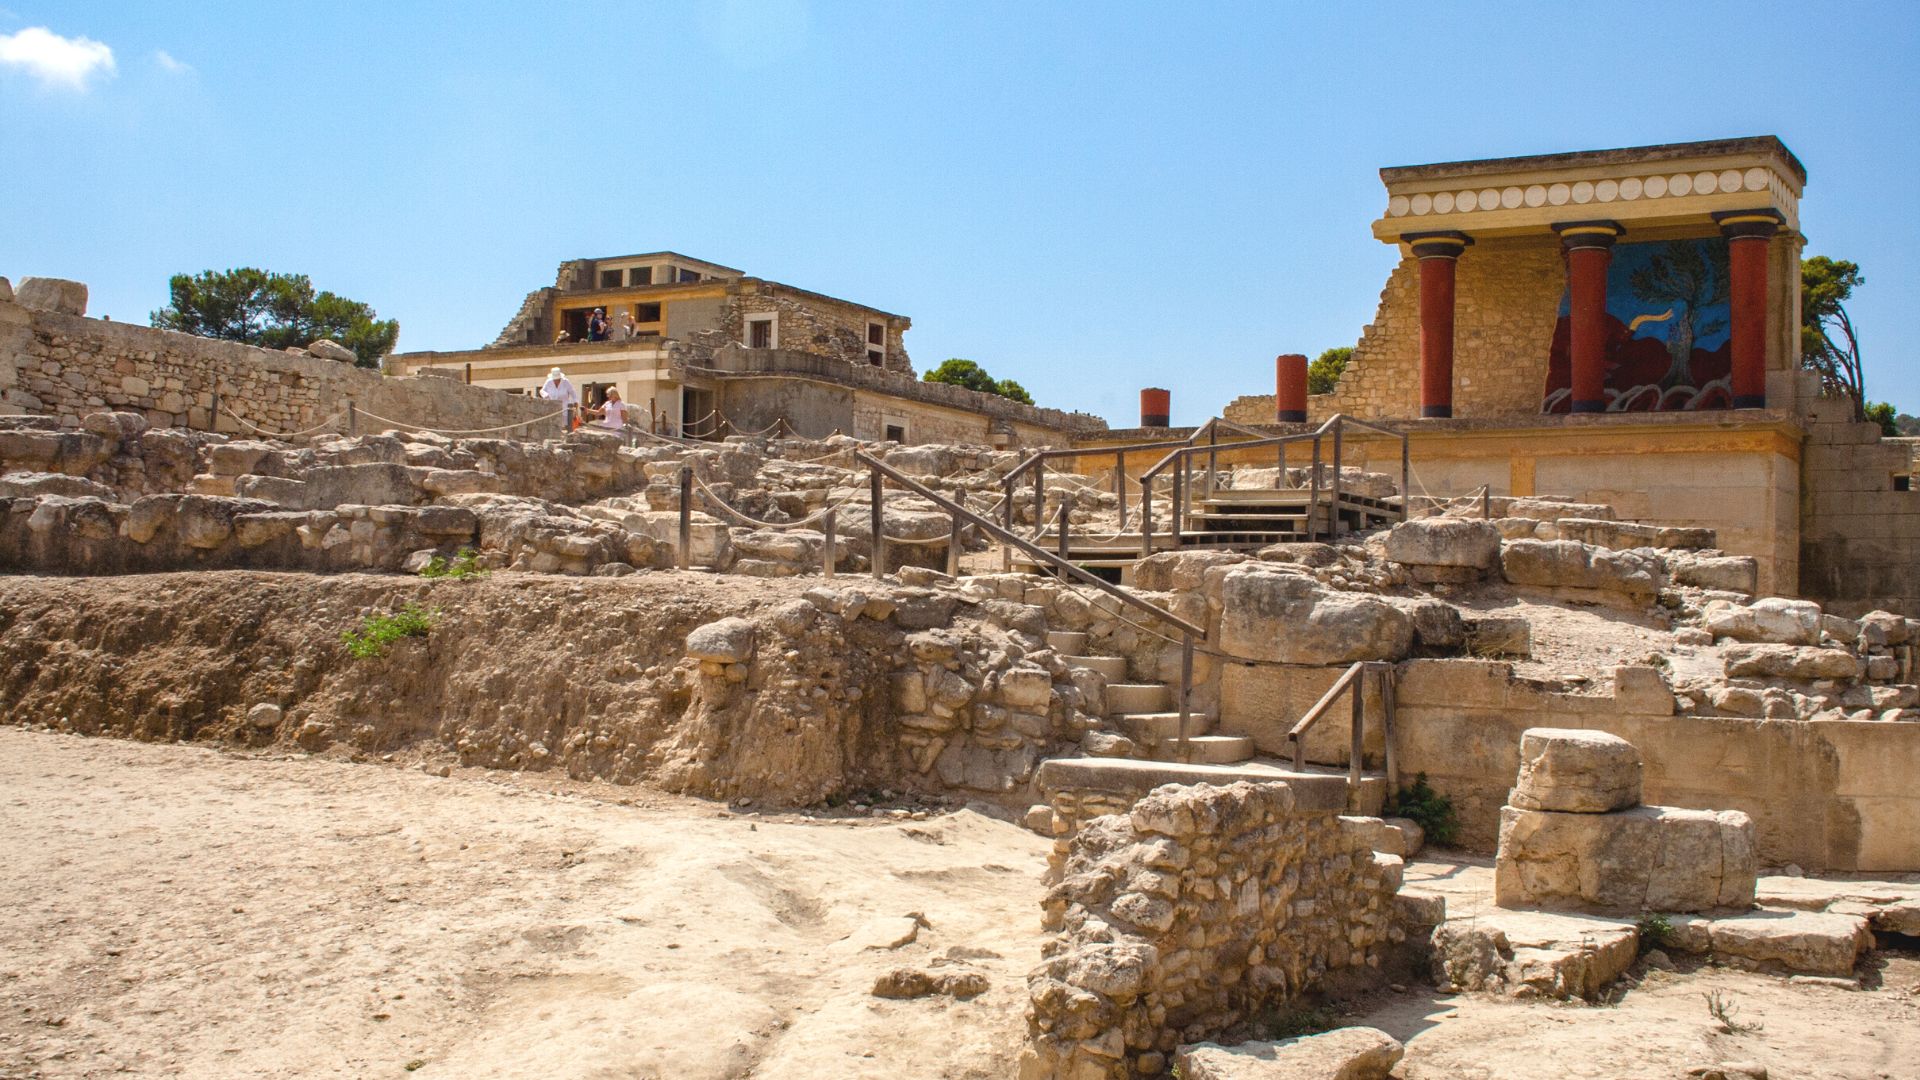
[1667, 331]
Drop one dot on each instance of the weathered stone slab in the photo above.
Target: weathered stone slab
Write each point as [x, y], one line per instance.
[1772, 620]
[1357, 1053]
[1802, 942]
[1287, 617]
[1657, 858]
[1442, 541]
[52, 294]
[1575, 771]
[1568, 564]
[1790, 662]
[1528, 954]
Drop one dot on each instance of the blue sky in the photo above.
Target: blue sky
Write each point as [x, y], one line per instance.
[1089, 199]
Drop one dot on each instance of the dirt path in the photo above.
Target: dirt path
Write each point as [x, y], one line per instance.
[171, 910]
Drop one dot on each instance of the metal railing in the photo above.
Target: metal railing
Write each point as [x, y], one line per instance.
[1354, 682]
[1181, 459]
[879, 472]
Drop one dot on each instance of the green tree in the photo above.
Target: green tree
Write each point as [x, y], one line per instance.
[1325, 370]
[1882, 413]
[1827, 341]
[966, 373]
[274, 311]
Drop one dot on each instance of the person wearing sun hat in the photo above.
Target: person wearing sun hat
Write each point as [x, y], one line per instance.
[559, 390]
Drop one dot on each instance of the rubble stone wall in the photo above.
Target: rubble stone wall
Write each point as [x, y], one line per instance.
[67, 366]
[1191, 914]
[1860, 538]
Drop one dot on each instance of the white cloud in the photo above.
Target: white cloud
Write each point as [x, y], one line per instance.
[55, 60]
[169, 65]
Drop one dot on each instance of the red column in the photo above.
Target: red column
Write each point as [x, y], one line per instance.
[1588, 246]
[1437, 252]
[1748, 233]
[1290, 388]
[1155, 407]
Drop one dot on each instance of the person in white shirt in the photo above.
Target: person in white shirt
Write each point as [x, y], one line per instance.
[560, 391]
[613, 415]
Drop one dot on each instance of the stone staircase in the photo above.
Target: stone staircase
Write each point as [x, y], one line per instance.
[1148, 715]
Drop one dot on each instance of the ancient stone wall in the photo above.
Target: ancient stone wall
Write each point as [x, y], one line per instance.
[1191, 914]
[1859, 537]
[809, 322]
[66, 366]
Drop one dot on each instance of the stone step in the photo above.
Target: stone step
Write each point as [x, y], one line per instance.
[1138, 698]
[1113, 667]
[1067, 641]
[1207, 749]
[1152, 729]
[1134, 778]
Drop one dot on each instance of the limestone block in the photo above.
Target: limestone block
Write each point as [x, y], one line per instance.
[1269, 615]
[1734, 573]
[1575, 771]
[1805, 942]
[114, 425]
[331, 350]
[203, 522]
[1790, 662]
[1882, 628]
[1569, 564]
[1178, 571]
[1499, 635]
[6, 291]
[727, 641]
[236, 458]
[264, 715]
[1651, 857]
[30, 484]
[1356, 1053]
[1442, 541]
[445, 521]
[52, 294]
[1774, 620]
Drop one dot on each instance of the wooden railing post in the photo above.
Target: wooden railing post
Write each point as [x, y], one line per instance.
[1186, 690]
[1179, 498]
[1146, 515]
[353, 419]
[1120, 485]
[953, 548]
[1066, 511]
[1333, 508]
[828, 527]
[686, 516]
[1313, 492]
[1357, 746]
[1039, 495]
[879, 533]
[1213, 459]
[1406, 475]
[1389, 674]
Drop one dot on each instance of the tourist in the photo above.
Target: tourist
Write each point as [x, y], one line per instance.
[559, 390]
[597, 325]
[628, 328]
[612, 414]
[563, 338]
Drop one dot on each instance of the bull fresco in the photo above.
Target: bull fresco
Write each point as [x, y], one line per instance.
[1667, 331]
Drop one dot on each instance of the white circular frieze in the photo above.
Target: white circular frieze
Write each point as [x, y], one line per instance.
[1630, 188]
[1464, 201]
[1536, 195]
[1423, 203]
[1558, 194]
[1729, 180]
[1705, 183]
[1656, 186]
[1606, 191]
[1443, 203]
[1756, 179]
[1398, 206]
[1583, 191]
[1490, 199]
[1680, 184]
[1512, 197]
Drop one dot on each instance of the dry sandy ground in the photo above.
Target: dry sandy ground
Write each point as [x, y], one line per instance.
[174, 911]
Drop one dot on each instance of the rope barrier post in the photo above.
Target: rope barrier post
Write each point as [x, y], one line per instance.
[1186, 688]
[1039, 494]
[827, 557]
[1355, 743]
[686, 515]
[1486, 502]
[1006, 501]
[1213, 459]
[353, 420]
[469, 373]
[953, 548]
[1066, 505]
[213, 417]
[1406, 473]
[1388, 675]
[879, 558]
[1120, 485]
[1313, 493]
[1280, 467]
[1179, 499]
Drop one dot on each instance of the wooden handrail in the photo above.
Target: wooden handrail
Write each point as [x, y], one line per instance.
[1354, 680]
[1312, 716]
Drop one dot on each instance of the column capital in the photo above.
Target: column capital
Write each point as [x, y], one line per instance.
[1576, 235]
[1437, 245]
[1757, 224]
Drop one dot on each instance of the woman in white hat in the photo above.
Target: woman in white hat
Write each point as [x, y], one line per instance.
[560, 391]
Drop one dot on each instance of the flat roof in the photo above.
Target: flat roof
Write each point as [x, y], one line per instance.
[664, 255]
[1754, 144]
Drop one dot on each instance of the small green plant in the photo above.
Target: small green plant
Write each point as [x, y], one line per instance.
[1427, 807]
[378, 631]
[1723, 1010]
[1655, 930]
[463, 566]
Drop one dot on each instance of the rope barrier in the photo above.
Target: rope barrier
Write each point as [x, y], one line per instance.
[460, 431]
[808, 520]
[328, 422]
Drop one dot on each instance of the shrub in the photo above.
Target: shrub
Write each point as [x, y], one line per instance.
[463, 566]
[1430, 809]
[1655, 930]
[377, 631]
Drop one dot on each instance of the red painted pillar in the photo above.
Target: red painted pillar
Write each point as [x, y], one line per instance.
[1748, 233]
[1438, 252]
[1290, 388]
[1155, 407]
[1588, 246]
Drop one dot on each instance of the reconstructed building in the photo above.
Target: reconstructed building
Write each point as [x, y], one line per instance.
[705, 350]
[1623, 326]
